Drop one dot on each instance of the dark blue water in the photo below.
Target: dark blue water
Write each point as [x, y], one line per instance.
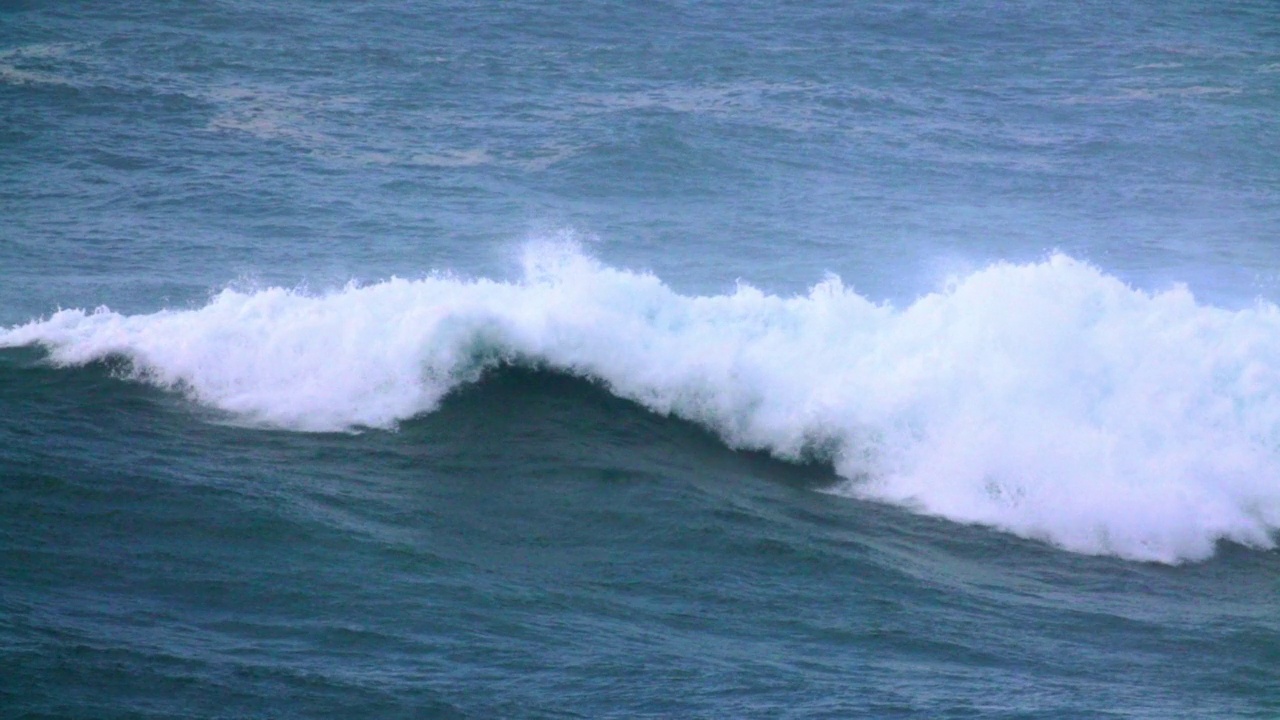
[679, 360]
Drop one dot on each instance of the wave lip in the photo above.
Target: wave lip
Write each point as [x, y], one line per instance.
[1046, 399]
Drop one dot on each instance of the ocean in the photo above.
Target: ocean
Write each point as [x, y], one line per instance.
[801, 359]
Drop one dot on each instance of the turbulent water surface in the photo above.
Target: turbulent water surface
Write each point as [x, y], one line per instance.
[884, 359]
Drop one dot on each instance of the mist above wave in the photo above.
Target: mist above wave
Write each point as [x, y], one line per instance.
[1047, 399]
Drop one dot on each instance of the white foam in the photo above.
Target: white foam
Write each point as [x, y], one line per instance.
[1046, 399]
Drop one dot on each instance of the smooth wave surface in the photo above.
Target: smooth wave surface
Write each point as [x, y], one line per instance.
[1049, 399]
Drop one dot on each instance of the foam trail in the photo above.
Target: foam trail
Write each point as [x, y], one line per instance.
[1046, 399]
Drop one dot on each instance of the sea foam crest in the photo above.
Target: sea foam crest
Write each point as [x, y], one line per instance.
[1048, 399]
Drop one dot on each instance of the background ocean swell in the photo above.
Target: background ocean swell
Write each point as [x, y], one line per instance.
[1047, 399]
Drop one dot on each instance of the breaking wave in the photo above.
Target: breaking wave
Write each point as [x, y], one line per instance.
[1050, 399]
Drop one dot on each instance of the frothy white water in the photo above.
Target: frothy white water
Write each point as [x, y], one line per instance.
[1048, 399]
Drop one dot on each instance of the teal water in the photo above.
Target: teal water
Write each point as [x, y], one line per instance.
[678, 360]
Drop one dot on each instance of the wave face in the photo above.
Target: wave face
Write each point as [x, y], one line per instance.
[1049, 399]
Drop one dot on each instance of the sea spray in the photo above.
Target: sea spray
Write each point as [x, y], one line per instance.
[1047, 399]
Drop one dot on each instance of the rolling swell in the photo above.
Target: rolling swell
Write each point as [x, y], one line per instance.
[1049, 399]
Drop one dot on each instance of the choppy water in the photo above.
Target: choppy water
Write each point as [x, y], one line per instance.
[682, 360]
